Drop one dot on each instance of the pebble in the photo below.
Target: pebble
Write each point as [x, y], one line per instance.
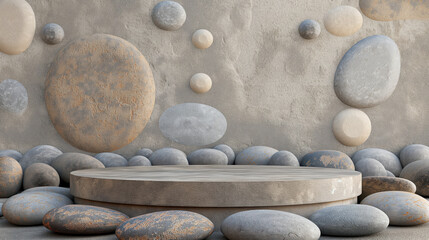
[309, 29]
[168, 15]
[139, 161]
[412, 153]
[202, 39]
[351, 127]
[111, 159]
[256, 155]
[13, 96]
[371, 185]
[145, 152]
[168, 156]
[370, 167]
[10, 177]
[418, 173]
[40, 174]
[60, 190]
[389, 160]
[343, 21]
[52, 33]
[328, 159]
[40, 154]
[200, 83]
[228, 151]
[207, 156]
[69, 162]
[283, 158]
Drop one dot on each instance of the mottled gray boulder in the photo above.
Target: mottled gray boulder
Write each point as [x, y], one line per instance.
[29, 208]
[11, 153]
[168, 15]
[328, 159]
[52, 33]
[111, 159]
[389, 173]
[418, 173]
[13, 96]
[60, 190]
[139, 161]
[69, 162]
[284, 158]
[207, 156]
[40, 154]
[40, 174]
[10, 177]
[256, 155]
[368, 73]
[145, 152]
[370, 167]
[389, 160]
[412, 153]
[168, 156]
[268, 224]
[350, 220]
[228, 151]
[371, 185]
[309, 29]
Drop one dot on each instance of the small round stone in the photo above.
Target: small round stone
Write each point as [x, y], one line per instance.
[283, 158]
[201, 83]
[52, 33]
[207, 156]
[11, 153]
[351, 127]
[412, 153]
[40, 174]
[229, 152]
[370, 167]
[40, 154]
[69, 162]
[168, 156]
[418, 173]
[60, 190]
[145, 152]
[309, 29]
[371, 185]
[168, 15]
[10, 177]
[139, 161]
[343, 21]
[256, 155]
[111, 159]
[328, 159]
[13, 96]
[389, 160]
[202, 38]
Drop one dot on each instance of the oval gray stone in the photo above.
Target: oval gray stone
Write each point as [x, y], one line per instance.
[145, 152]
[268, 224]
[139, 161]
[40, 154]
[309, 29]
[368, 73]
[370, 167]
[193, 124]
[256, 155]
[352, 220]
[228, 151]
[69, 162]
[284, 158]
[60, 190]
[418, 173]
[111, 159]
[412, 153]
[327, 159]
[13, 96]
[52, 33]
[11, 153]
[40, 174]
[207, 156]
[168, 15]
[389, 160]
[168, 156]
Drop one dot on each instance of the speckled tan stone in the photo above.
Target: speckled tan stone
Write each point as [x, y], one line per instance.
[351, 127]
[343, 21]
[202, 38]
[372, 185]
[10, 177]
[201, 83]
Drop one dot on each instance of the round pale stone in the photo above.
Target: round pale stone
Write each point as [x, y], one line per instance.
[201, 83]
[309, 29]
[202, 38]
[351, 127]
[168, 15]
[13, 96]
[52, 33]
[343, 21]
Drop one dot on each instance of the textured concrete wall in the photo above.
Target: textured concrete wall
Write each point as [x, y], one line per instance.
[274, 87]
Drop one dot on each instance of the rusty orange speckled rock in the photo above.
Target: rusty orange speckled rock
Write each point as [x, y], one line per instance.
[328, 159]
[10, 177]
[371, 185]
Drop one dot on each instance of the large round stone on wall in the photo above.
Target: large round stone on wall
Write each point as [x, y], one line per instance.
[100, 93]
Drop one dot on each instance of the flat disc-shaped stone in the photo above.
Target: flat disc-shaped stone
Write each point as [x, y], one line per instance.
[99, 93]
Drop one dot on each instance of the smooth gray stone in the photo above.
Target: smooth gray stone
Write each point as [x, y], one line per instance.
[207, 156]
[309, 29]
[13, 96]
[268, 224]
[228, 151]
[145, 152]
[168, 156]
[69, 162]
[256, 155]
[60, 190]
[29, 208]
[111, 159]
[139, 161]
[193, 124]
[370, 167]
[389, 173]
[412, 153]
[216, 236]
[40, 174]
[284, 158]
[40, 154]
[418, 173]
[352, 220]
[52, 33]
[389, 160]
[168, 15]
[368, 73]
[327, 159]
[11, 153]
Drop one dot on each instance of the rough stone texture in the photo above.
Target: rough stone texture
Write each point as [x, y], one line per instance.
[351, 127]
[343, 21]
[40, 174]
[69, 162]
[60, 190]
[370, 167]
[283, 158]
[168, 156]
[386, 10]
[256, 155]
[371, 185]
[99, 93]
[52, 33]
[268, 224]
[368, 73]
[40, 154]
[11, 153]
[200, 83]
[418, 173]
[229, 152]
[13, 96]
[83, 220]
[202, 38]
[111, 159]
[412, 153]
[309, 29]
[389, 160]
[327, 159]
[193, 124]
[402, 208]
[139, 161]
[145, 152]
[10, 177]
[29, 208]
[18, 26]
[169, 225]
[350, 220]
[168, 15]
[207, 156]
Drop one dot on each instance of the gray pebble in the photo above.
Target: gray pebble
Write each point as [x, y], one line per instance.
[69, 162]
[207, 156]
[40, 154]
[418, 173]
[145, 152]
[228, 151]
[256, 155]
[40, 174]
[111, 159]
[11, 153]
[327, 159]
[168, 156]
[412, 153]
[60, 190]
[284, 158]
[389, 160]
[309, 29]
[13, 96]
[52, 33]
[139, 161]
[168, 15]
[370, 167]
